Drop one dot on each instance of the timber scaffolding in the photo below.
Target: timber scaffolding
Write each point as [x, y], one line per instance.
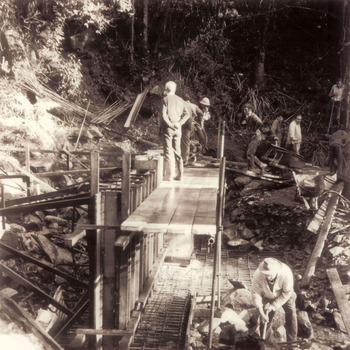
[132, 217]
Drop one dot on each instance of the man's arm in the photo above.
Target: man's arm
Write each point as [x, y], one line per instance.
[256, 119]
[165, 117]
[291, 132]
[274, 127]
[256, 294]
[287, 291]
[331, 93]
[185, 115]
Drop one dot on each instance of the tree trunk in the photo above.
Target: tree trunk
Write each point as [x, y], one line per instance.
[260, 69]
[132, 32]
[346, 101]
[346, 65]
[145, 26]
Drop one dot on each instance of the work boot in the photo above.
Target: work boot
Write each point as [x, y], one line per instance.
[178, 178]
[263, 167]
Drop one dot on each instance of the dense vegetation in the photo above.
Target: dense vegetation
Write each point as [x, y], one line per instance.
[282, 56]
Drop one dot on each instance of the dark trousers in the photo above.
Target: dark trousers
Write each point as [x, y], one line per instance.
[291, 317]
[186, 141]
[252, 147]
[172, 153]
[335, 155]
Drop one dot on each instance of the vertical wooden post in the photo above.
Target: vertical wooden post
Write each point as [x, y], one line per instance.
[134, 276]
[218, 152]
[219, 222]
[109, 217]
[137, 265]
[3, 204]
[27, 155]
[126, 186]
[123, 289]
[93, 242]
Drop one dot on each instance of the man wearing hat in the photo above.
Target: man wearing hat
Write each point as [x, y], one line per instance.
[205, 104]
[272, 288]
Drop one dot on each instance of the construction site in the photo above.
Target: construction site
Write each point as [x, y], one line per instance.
[99, 250]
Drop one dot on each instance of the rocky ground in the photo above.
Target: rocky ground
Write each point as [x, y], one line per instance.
[262, 218]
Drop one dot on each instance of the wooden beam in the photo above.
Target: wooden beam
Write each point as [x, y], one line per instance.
[124, 240]
[126, 186]
[340, 296]
[316, 253]
[78, 233]
[109, 216]
[136, 108]
[43, 264]
[74, 172]
[43, 185]
[104, 332]
[62, 203]
[11, 310]
[19, 279]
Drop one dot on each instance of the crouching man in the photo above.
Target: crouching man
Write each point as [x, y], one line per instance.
[272, 288]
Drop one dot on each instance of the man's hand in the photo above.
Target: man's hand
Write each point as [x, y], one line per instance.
[268, 307]
[177, 126]
[265, 316]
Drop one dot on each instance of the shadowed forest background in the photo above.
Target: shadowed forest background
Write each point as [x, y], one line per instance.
[282, 56]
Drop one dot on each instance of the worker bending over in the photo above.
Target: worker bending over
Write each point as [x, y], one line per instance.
[272, 288]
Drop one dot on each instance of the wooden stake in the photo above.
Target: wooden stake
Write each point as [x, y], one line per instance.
[316, 254]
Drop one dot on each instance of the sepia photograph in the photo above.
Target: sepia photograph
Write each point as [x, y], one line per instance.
[174, 174]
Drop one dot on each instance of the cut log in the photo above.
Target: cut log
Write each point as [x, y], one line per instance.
[340, 296]
[12, 311]
[311, 266]
[43, 185]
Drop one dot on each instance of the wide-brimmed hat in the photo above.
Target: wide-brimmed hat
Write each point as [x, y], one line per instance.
[270, 266]
[205, 101]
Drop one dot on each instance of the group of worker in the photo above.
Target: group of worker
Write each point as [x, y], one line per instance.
[177, 126]
[264, 132]
[179, 117]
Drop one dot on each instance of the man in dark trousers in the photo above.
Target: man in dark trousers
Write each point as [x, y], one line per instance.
[276, 130]
[187, 129]
[336, 143]
[259, 135]
[272, 288]
[174, 115]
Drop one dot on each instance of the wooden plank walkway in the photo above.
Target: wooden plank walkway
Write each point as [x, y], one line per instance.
[180, 207]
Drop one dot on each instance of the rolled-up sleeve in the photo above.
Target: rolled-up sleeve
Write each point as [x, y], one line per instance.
[257, 288]
[287, 291]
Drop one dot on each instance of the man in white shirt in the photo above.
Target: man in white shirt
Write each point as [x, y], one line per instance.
[294, 137]
[272, 288]
[336, 94]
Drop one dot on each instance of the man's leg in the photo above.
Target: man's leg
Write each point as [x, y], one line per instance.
[252, 147]
[177, 151]
[332, 157]
[185, 143]
[169, 162]
[291, 318]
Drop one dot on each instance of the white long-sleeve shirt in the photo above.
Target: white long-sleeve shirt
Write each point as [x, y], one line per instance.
[294, 133]
[282, 289]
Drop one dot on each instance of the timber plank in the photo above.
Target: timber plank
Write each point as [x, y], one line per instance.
[182, 220]
[340, 296]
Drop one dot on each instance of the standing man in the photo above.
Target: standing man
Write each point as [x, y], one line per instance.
[272, 288]
[276, 130]
[174, 115]
[336, 94]
[252, 121]
[294, 135]
[336, 143]
[205, 104]
[187, 128]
